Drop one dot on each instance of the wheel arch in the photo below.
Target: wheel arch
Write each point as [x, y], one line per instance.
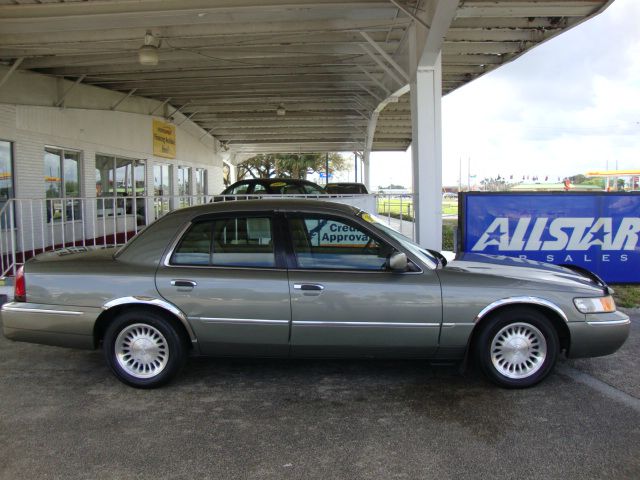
[549, 309]
[114, 307]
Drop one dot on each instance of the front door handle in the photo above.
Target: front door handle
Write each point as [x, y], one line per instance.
[308, 286]
[183, 283]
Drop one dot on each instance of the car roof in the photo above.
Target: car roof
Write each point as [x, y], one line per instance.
[270, 180]
[268, 204]
[345, 183]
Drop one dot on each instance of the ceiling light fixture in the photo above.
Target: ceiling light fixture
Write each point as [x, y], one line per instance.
[281, 111]
[148, 53]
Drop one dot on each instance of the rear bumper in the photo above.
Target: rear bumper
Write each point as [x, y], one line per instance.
[49, 324]
[601, 334]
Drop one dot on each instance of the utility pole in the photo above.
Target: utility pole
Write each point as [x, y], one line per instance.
[459, 174]
[469, 174]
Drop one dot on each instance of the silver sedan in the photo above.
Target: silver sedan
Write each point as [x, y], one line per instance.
[286, 278]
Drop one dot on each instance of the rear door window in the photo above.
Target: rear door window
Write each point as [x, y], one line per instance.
[242, 241]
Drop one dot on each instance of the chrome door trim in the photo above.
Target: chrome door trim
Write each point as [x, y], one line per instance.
[10, 308]
[522, 301]
[241, 321]
[361, 272]
[320, 323]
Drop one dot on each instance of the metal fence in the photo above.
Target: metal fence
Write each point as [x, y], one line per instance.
[29, 226]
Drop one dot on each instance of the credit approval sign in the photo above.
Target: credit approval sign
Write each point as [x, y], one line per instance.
[596, 230]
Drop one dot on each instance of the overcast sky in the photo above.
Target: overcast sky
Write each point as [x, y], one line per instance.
[565, 107]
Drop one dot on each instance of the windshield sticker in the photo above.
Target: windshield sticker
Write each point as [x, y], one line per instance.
[277, 184]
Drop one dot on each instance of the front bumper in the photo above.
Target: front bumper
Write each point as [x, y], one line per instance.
[601, 334]
[57, 325]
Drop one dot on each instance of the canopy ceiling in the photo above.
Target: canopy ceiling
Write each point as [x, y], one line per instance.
[231, 64]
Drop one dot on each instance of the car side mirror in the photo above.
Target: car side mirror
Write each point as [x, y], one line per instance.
[398, 262]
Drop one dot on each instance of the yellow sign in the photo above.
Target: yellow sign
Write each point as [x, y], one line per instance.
[164, 139]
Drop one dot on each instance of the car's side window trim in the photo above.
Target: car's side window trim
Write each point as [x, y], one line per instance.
[279, 262]
[292, 260]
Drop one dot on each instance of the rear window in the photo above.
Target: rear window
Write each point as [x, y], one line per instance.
[346, 189]
[312, 189]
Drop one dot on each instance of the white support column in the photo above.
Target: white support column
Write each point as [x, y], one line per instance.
[233, 173]
[426, 37]
[368, 145]
[426, 150]
[366, 170]
[230, 160]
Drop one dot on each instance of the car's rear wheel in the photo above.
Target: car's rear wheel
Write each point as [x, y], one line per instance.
[143, 349]
[517, 348]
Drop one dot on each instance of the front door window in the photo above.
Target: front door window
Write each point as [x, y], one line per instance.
[327, 243]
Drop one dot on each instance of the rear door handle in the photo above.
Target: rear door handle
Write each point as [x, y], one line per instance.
[183, 283]
[308, 286]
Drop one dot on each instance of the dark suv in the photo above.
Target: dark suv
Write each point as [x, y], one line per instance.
[273, 186]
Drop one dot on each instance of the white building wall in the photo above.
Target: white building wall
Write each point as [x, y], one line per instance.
[31, 128]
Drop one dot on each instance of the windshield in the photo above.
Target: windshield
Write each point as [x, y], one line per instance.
[410, 245]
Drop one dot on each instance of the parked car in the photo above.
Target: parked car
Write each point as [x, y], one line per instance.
[346, 188]
[290, 278]
[273, 186]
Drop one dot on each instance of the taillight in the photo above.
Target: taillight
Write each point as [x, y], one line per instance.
[20, 290]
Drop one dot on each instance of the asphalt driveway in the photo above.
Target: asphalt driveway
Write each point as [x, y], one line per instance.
[62, 415]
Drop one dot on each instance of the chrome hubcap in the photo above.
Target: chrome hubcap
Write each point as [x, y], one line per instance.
[518, 350]
[141, 350]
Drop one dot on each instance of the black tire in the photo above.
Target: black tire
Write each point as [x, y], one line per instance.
[519, 326]
[152, 333]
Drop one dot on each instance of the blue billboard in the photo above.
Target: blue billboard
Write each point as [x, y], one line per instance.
[598, 231]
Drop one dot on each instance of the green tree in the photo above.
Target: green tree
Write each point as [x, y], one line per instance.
[497, 184]
[260, 166]
[583, 180]
[295, 165]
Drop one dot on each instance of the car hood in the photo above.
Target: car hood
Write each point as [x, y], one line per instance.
[520, 269]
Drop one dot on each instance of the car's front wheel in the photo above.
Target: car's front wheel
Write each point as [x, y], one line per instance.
[517, 348]
[143, 349]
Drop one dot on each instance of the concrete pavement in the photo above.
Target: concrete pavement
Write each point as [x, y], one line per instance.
[63, 415]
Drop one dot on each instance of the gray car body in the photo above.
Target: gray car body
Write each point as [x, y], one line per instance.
[432, 312]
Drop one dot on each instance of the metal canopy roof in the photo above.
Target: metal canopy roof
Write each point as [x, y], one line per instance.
[231, 63]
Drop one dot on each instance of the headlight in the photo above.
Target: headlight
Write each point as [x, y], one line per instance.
[595, 305]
